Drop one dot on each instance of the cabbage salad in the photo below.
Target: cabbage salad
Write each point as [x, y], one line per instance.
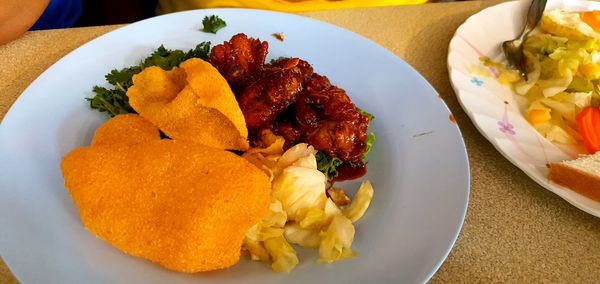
[563, 79]
[305, 210]
[563, 76]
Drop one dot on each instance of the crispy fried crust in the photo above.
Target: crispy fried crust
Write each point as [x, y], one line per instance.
[577, 180]
[125, 128]
[192, 103]
[181, 204]
[215, 95]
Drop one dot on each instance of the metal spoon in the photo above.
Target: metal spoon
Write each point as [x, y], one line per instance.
[513, 49]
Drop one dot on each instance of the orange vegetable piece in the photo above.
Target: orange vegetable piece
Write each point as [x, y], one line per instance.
[591, 18]
[125, 128]
[589, 71]
[539, 116]
[192, 103]
[588, 125]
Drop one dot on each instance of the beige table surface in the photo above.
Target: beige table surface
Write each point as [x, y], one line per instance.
[515, 230]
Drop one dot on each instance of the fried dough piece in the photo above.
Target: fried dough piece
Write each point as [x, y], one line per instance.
[216, 95]
[183, 205]
[126, 129]
[192, 103]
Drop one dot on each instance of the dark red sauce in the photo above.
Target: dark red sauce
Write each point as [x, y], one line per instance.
[347, 171]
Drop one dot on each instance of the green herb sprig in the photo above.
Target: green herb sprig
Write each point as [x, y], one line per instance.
[211, 24]
[327, 164]
[114, 101]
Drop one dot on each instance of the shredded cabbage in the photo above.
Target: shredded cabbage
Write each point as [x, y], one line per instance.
[256, 250]
[300, 211]
[266, 158]
[564, 78]
[307, 238]
[336, 241]
[314, 219]
[269, 227]
[282, 253]
[294, 153]
[300, 189]
[361, 202]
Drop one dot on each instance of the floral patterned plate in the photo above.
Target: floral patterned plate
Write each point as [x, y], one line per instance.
[493, 107]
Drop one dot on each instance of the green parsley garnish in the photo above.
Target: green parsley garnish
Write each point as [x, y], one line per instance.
[370, 141]
[115, 101]
[370, 116]
[328, 165]
[371, 138]
[211, 24]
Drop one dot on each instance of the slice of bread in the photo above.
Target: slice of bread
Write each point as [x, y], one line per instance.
[581, 175]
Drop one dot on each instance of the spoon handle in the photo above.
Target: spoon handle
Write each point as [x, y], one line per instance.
[536, 10]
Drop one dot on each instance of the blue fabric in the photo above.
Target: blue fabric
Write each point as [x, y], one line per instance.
[59, 14]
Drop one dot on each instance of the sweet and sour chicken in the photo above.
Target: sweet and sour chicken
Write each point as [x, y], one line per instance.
[288, 98]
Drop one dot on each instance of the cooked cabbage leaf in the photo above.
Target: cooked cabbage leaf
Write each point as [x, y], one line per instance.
[336, 241]
[283, 255]
[360, 203]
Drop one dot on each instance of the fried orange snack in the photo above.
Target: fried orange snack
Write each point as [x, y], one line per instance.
[216, 95]
[178, 203]
[125, 128]
[181, 204]
[193, 102]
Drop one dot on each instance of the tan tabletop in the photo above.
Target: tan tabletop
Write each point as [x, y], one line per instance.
[515, 230]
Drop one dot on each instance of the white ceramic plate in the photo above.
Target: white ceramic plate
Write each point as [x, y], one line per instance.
[492, 107]
[418, 166]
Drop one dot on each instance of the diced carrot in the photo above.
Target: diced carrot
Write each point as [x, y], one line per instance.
[588, 125]
[590, 71]
[539, 116]
[592, 18]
